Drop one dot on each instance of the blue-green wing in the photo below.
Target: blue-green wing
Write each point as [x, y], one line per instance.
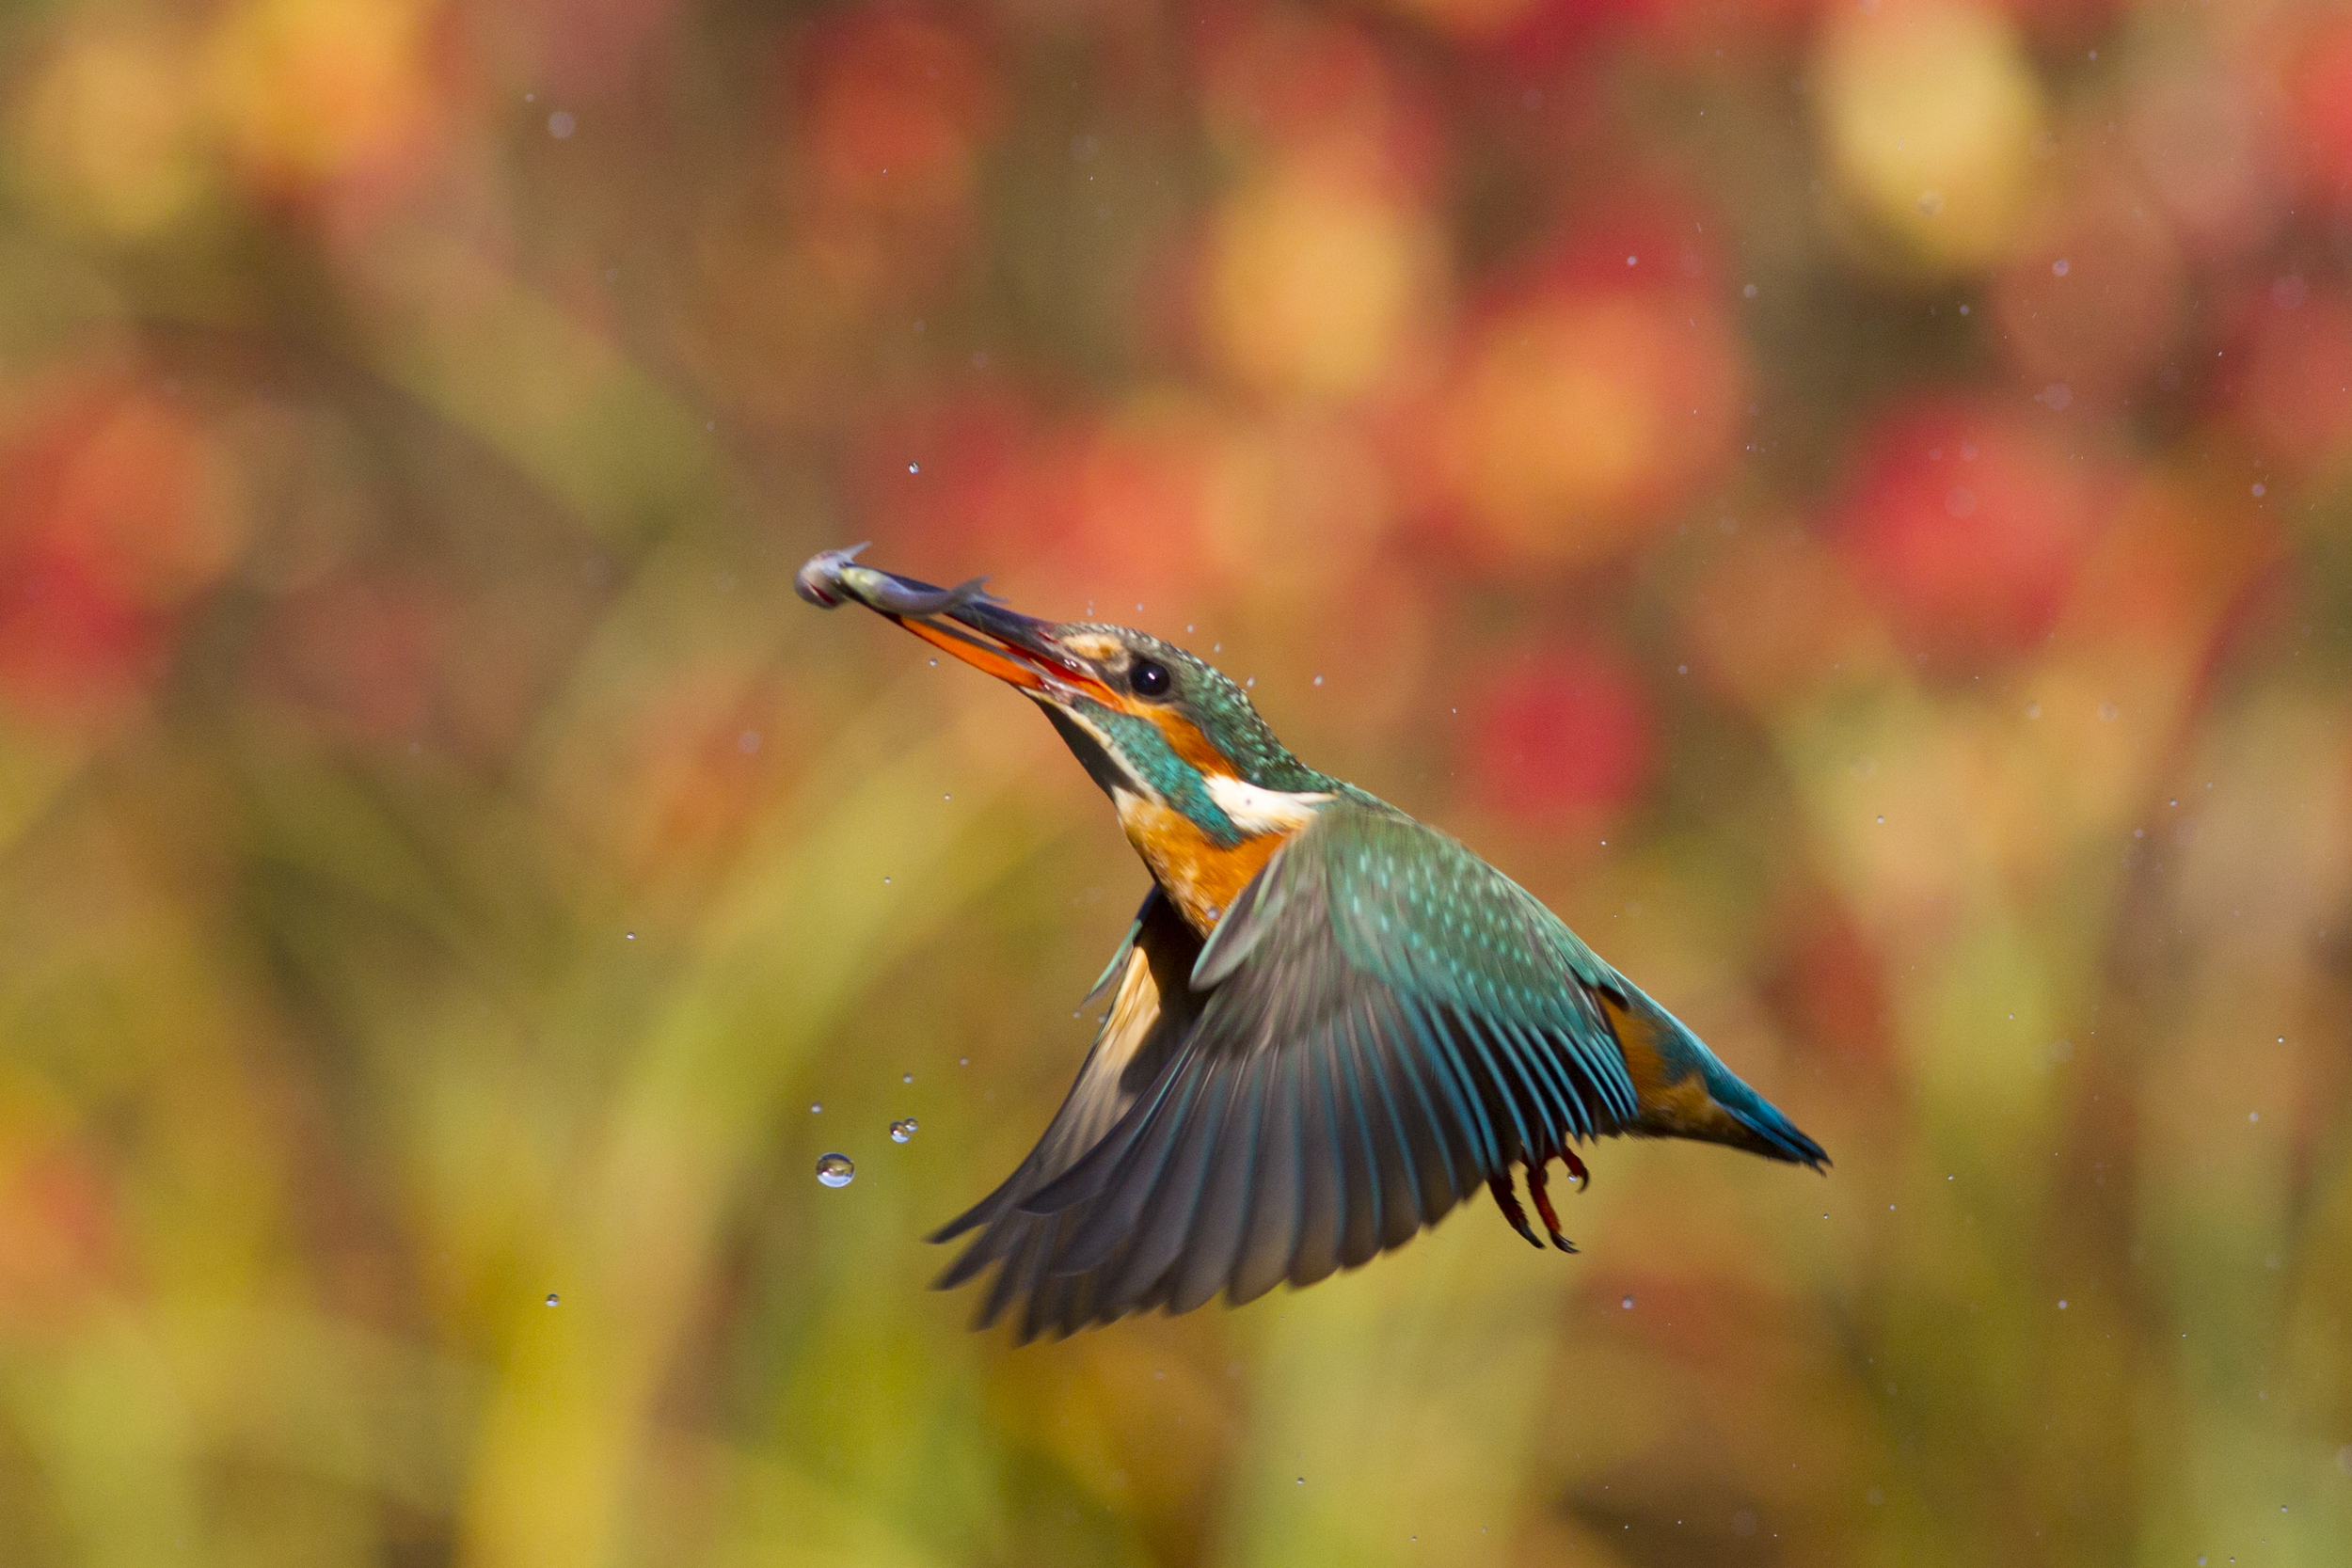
[1384, 1022]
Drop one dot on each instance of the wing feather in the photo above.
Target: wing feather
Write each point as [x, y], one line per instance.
[1380, 1024]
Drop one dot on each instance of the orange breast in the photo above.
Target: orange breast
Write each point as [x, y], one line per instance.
[1202, 878]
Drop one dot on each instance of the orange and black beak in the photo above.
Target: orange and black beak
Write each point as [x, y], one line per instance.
[1017, 649]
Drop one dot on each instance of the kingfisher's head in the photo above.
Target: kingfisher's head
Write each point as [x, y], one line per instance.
[1148, 721]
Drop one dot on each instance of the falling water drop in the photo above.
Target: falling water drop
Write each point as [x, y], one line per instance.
[915, 468]
[901, 1131]
[906, 1078]
[2108, 711]
[818, 1109]
[552, 1299]
[1626, 1304]
[835, 1170]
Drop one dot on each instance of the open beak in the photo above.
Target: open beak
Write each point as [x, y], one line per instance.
[1017, 649]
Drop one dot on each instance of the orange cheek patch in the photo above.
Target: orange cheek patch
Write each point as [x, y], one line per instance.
[1186, 739]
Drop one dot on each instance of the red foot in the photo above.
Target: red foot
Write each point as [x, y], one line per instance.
[1537, 1190]
[1508, 1201]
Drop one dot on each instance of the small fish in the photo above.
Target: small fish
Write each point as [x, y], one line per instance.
[819, 581]
[829, 579]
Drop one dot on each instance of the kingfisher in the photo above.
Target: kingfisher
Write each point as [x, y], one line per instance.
[1328, 1026]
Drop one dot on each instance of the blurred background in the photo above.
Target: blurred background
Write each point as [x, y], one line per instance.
[1850, 502]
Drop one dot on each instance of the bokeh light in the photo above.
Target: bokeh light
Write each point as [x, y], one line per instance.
[1928, 111]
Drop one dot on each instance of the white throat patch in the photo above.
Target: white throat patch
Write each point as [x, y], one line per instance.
[1258, 810]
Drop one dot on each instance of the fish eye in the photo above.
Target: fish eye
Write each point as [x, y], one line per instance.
[1148, 678]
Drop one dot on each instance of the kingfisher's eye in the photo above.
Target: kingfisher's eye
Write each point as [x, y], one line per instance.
[1148, 678]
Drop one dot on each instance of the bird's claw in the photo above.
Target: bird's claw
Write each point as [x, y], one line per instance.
[1508, 1201]
[1576, 1169]
[1540, 1192]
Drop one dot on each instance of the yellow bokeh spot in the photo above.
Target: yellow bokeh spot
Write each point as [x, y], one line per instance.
[102, 140]
[307, 90]
[1316, 282]
[1930, 112]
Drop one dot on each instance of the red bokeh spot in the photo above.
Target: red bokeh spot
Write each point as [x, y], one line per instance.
[2294, 393]
[1564, 732]
[100, 531]
[894, 105]
[1966, 528]
[1079, 507]
[2320, 91]
[1324, 93]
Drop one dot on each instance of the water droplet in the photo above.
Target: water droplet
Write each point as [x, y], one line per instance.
[629, 936]
[906, 1078]
[2061, 1304]
[2033, 710]
[915, 468]
[1626, 1304]
[2253, 1116]
[561, 125]
[963, 1061]
[835, 1170]
[1302, 1481]
[2108, 710]
[552, 1299]
[818, 1109]
[1748, 292]
[747, 742]
[2257, 489]
[1318, 680]
[2058, 267]
[1930, 203]
[901, 1131]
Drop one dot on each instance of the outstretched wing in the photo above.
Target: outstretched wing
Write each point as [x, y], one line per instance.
[1151, 1009]
[1381, 1022]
